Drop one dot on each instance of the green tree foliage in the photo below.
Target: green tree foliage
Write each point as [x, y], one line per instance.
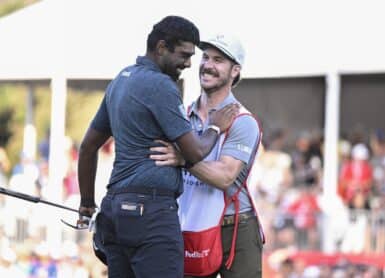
[80, 108]
[9, 6]
[13, 98]
[5, 126]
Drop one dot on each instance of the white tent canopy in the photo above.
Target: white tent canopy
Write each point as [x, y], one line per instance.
[93, 39]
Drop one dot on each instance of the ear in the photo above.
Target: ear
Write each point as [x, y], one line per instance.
[236, 69]
[160, 47]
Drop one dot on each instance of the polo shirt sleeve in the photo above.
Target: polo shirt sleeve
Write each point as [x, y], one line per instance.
[242, 138]
[169, 111]
[101, 120]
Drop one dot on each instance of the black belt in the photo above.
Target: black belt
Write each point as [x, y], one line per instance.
[230, 219]
[143, 190]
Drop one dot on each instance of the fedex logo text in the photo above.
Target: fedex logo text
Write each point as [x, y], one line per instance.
[196, 254]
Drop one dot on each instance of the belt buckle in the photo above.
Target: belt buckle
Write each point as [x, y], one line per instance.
[228, 220]
[242, 217]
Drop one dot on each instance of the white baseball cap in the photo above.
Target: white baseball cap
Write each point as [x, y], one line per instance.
[360, 152]
[228, 44]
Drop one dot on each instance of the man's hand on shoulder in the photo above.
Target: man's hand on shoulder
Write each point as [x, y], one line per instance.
[223, 117]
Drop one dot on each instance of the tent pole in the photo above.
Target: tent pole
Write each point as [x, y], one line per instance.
[56, 154]
[330, 172]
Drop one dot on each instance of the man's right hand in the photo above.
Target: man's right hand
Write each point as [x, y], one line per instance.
[223, 117]
[85, 214]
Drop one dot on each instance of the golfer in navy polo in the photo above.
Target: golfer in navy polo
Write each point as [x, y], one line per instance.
[138, 223]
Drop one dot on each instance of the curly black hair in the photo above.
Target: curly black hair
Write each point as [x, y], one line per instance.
[173, 30]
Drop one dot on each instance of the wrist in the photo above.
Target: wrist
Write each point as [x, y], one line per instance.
[215, 128]
[188, 165]
[87, 202]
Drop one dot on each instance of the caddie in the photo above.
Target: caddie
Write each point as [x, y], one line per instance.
[216, 189]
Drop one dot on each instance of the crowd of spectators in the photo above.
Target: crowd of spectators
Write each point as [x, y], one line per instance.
[24, 248]
[292, 205]
[288, 185]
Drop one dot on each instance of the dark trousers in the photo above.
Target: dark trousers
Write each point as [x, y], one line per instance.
[142, 243]
[248, 253]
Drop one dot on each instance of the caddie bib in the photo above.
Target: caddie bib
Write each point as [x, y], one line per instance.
[199, 198]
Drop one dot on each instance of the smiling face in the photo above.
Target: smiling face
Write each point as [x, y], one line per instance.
[174, 62]
[216, 71]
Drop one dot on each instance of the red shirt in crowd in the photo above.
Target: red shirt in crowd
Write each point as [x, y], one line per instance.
[355, 176]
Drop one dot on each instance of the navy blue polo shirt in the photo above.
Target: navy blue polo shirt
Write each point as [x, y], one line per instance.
[141, 105]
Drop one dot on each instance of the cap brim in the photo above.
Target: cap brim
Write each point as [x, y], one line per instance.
[205, 44]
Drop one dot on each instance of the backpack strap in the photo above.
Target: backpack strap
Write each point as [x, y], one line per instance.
[235, 197]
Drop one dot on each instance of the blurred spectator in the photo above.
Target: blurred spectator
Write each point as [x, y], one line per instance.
[357, 135]
[72, 264]
[377, 228]
[283, 223]
[355, 239]
[356, 176]
[276, 140]
[24, 179]
[5, 166]
[70, 182]
[307, 160]
[44, 146]
[270, 179]
[271, 172]
[26, 167]
[286, 269]
[8, 266]
[325, 271]
[377, 144]
[344, 150]
[335, 220]
[371, 272]
[304, 211]
[43, 178]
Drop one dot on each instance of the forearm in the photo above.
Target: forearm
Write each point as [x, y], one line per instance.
[216, 173]
[86, 176]
[194, 148]
[87, 164]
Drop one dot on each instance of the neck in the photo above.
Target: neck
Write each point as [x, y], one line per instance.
[151, 56]
[208, 101]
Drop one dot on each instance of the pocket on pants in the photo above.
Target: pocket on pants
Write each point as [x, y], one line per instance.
[129, 223]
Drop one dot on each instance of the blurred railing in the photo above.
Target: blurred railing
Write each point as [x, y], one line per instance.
[360, 231]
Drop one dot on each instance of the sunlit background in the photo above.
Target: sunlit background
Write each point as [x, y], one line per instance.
[314, 76]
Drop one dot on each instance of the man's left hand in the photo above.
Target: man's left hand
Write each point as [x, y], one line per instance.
[167, 155]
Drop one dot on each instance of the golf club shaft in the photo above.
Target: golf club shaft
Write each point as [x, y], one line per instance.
[33, 199]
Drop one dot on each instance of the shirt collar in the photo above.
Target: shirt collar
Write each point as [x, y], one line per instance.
[194, 106]
[145, 61]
